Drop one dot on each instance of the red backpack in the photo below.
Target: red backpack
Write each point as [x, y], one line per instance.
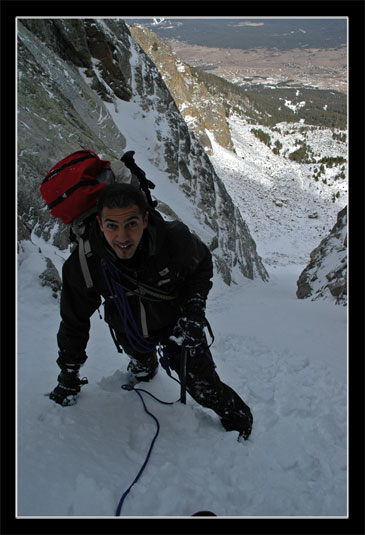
[71, 190]
[72, 186]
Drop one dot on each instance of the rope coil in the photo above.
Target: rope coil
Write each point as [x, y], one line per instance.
[136, 339]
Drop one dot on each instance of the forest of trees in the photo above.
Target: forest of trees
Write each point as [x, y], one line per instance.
[266, 106]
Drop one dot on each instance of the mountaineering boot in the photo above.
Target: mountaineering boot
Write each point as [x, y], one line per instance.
[143, 370]
[241, 422]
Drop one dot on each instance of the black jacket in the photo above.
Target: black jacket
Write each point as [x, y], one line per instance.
[170, 260]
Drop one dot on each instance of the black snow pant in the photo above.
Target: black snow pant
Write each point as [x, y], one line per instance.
[202, 382]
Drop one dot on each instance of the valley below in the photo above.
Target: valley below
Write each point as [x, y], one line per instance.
[314, 67]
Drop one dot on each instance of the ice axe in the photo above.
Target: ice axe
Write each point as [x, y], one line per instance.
[183, 375]
[145, 184]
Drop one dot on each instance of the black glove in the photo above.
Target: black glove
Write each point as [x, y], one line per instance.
[189, 329]
[189, 333]
[69, 385]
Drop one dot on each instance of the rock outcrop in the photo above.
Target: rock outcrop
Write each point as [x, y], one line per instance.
[198, 106]
[326, 274]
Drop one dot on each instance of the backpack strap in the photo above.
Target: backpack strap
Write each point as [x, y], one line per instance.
[84, 251]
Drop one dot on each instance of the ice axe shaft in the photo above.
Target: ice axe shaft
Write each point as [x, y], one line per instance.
[145, 184]
[183, 376]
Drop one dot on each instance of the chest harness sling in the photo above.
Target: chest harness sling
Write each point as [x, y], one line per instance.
[138, 338]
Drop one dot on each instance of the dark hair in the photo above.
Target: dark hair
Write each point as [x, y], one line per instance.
[120, 196]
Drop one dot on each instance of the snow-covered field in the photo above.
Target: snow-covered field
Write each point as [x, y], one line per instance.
[286, 357]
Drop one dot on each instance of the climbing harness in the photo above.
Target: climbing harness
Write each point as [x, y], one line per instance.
[140, 341]
[138, 391]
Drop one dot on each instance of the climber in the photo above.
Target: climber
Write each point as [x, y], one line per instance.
[154, 277]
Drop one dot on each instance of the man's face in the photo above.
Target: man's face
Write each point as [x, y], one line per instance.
[123, 229]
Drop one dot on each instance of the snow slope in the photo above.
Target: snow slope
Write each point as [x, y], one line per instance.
[276, 196]
[286, 357]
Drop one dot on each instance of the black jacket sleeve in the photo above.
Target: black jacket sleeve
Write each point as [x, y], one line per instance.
[77, 306]
[195, 262]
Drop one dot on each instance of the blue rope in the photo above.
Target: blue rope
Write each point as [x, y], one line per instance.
[138, 390]
[134, 335]
[164, 359]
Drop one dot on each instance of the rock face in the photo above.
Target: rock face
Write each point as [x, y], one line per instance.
[76, 77]
[320, 279]
[198, 106]
[50, 277]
